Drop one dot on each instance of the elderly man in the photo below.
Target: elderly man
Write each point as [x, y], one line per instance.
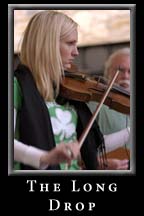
[111, 121]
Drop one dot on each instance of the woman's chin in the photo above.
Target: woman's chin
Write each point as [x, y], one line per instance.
[67, 66]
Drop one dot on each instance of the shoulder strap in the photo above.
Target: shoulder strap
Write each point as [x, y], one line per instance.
[35, 125]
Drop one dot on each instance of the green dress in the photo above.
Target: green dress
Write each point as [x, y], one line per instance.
[63, 120]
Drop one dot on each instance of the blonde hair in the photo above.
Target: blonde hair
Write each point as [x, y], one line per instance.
[109, 62]
[40, 50]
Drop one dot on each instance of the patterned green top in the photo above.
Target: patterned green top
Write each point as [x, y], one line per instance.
[63, 120]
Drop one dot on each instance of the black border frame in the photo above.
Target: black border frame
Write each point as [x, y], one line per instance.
[11, 8]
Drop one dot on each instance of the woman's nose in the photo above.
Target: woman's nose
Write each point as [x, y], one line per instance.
[75, 52]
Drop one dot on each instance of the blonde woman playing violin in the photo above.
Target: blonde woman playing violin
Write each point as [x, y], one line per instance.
[47, 132]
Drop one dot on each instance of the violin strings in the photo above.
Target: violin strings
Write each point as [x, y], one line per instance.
[102, 156]
[105, 164]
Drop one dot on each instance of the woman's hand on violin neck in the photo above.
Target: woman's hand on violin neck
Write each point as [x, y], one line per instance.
[62, 153]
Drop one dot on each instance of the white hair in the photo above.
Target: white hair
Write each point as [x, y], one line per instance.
[120, 52]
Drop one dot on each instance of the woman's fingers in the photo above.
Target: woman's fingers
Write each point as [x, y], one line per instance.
[73, 149]
[62, 153]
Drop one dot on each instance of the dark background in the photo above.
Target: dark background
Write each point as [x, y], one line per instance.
[15, 197]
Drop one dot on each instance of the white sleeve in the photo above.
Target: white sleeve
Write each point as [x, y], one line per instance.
[28, 155]
[117, 139]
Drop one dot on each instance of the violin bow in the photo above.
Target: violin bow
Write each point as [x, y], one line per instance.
[92, 119]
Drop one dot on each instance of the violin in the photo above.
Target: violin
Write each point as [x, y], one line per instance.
[81, 87]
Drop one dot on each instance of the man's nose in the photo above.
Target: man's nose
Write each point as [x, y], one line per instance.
[126, 74]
